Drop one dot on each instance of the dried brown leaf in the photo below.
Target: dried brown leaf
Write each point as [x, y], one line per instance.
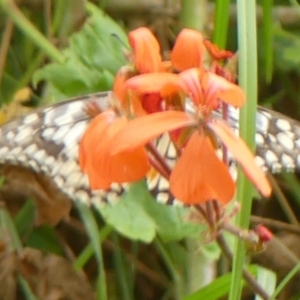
[21, 183]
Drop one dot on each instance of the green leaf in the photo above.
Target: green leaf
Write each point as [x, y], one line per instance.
[218, 288]
[25, 218]
[267, 280]
[268, 38]
[129, 216]
[92, 58]
[285, 281]
[91, 226]
[26, 289]
[7, 227]
[44, 238]
[138, 216]
[286, 50]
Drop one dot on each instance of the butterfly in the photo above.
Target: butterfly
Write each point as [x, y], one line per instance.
[46, 142]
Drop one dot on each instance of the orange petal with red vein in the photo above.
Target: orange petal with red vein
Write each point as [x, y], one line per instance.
[192, 86]
[141, 130]
[146, 51]
[242, 154]
[199, 175]
[224, 90]
[188, 50]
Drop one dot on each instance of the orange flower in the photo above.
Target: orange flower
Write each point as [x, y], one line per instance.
[112, 149]
[194, 179]
[141, 130]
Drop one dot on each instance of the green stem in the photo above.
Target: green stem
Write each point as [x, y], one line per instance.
[171, 267]
[246, 12]
[122, 270]
[88, 251]
[193, 14]
[221, 23]
[28, 28]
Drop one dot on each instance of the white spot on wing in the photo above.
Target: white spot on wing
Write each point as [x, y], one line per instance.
[10, 135]
[60, 134]
[283, 124]
[262, 122]
[68, 167]
[163, 183]
[31, 118]
[48, 133]
[287, 162]
[3, 150]
[16, 151]
[31, 149]
[270, 157]
[162, 144]
[49, 161]
[83, 196]
[112, 197]
[75, 133]
[259, 140]
[40, 156]
[25, 133]
[162, 197]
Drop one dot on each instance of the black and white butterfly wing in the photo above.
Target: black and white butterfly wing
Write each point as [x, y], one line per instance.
[46, 141]
[277, 140]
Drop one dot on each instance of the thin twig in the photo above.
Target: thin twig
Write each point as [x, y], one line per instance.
[247, 276]
[154, 163]
[217, 209]
[161, 160]
[210, 214]
[201, 211]
[9, 26]
[275, 225]
[282, 200]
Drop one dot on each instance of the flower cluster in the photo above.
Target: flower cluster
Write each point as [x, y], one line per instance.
[176, 96]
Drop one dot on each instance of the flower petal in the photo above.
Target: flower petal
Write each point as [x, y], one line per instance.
[152, 103]
[141, 130]
[152, 82]
[242, 154]
[90, 139]
[224, 90]
[215, 52]
[119, 87]
[199, 175]
[188, 50]
[192, 86]
[146, 51]
[96, 160]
